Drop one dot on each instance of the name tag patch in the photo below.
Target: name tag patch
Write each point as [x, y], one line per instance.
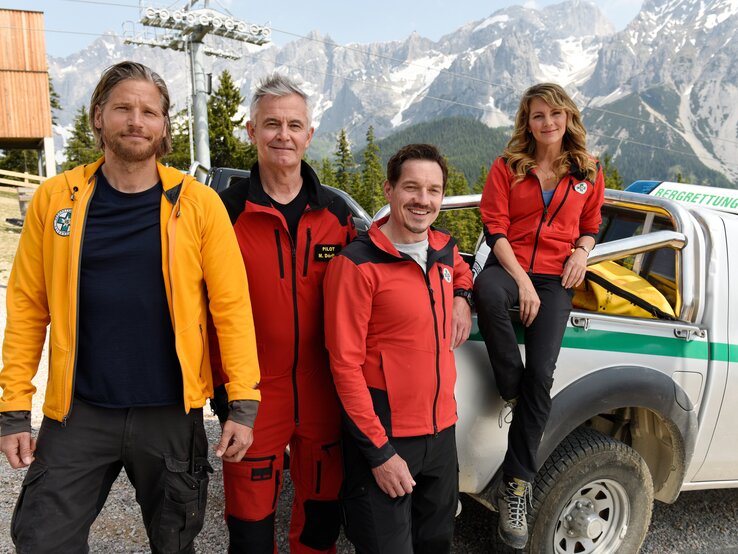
[326, 252]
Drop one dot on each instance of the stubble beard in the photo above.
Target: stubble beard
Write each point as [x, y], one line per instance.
[131, 154]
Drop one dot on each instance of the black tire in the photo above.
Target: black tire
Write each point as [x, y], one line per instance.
[593, 495]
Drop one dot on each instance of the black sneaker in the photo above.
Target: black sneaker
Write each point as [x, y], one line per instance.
[512, 499]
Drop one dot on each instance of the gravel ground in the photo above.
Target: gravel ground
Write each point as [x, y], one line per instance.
[700, 522]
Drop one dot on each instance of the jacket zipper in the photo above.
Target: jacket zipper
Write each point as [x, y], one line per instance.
[279, 253]
[443, 299]
[538, 234]
[293, 250]
[202, 346]
[76, 321]
[307, 254]
[438, 349]
[566, 194]
[171, 222]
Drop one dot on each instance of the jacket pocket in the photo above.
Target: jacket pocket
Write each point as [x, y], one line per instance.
[182, 511]
[410, 376]
[25, 515]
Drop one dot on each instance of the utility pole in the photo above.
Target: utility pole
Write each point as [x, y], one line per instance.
[188, 28]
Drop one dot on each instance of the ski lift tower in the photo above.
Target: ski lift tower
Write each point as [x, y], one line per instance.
[188, 28]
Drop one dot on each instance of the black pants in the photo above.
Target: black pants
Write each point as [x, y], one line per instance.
[495, 292]
[164, 453]
[421, 522]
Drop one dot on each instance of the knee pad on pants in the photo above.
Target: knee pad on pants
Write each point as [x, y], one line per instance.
[254, 537]
[322, 524]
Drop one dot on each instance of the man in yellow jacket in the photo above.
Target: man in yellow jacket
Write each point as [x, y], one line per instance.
[123, 258]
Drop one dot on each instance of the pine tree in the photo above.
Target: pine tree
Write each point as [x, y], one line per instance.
[464, 225]
[22, 161]
[372, 176]
[81, 148]
[613, 179]
[54, 100]
[179, 157]
[325, 173]
[226, 149]
[344, 163]
[478, 186]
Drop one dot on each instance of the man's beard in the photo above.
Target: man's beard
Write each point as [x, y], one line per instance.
[131, 153]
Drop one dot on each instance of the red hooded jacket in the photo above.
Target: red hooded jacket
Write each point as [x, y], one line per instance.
[541, 236]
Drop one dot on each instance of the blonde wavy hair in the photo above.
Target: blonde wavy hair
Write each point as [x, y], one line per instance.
[520, 151]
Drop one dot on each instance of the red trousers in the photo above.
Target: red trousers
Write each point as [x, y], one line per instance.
[310, 423]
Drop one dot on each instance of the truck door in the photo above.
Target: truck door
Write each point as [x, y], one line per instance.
[716, 453]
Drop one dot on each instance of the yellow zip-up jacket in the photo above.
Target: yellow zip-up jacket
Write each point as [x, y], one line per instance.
[201, 266]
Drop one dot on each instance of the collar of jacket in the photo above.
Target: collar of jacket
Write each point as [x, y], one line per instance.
[438, 241]
[574, 170]
[317, 198]
[173, 180]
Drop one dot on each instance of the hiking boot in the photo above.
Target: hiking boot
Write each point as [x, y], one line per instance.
[513, 496]
[506, 413]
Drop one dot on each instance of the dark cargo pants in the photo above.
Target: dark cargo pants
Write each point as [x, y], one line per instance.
[164, 452]
[495, 292]
[421, 522]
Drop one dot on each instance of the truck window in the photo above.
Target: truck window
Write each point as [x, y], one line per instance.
[658, 267]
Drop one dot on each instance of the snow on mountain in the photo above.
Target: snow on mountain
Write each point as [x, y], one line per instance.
[671, 69]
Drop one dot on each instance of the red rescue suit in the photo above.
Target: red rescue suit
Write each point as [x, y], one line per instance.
[299, 405]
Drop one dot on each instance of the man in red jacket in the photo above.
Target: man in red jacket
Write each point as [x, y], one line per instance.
[397, 302]
[288, 227]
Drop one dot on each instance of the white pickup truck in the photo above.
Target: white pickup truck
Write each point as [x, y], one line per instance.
[643, 408]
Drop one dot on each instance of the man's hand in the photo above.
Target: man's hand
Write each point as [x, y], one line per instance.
[575, 269]
[18, 449]
[235, 440]
[460, 322]
[528, 300]
[394, 477]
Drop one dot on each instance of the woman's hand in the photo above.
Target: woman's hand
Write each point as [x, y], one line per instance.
[575, 269]
[528, 300]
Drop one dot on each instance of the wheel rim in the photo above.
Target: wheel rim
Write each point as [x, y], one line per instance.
[594, 521]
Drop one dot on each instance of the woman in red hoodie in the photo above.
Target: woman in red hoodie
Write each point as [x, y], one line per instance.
[541, 212]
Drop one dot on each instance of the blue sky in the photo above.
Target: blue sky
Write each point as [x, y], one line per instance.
[73, 24]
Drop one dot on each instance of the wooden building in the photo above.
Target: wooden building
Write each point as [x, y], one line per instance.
[25, 110]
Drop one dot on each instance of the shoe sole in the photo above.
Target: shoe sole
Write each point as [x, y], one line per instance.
[512, 541]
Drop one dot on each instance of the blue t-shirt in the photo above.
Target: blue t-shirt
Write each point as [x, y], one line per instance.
[126, 353]
[547, 196]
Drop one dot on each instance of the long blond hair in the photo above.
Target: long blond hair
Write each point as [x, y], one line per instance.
[520, 151]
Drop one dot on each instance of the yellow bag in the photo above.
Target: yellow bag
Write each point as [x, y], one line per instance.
[611, 288]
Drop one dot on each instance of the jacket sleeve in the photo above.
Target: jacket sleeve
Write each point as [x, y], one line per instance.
[348, 305]
[27, 311]
[591, 218]
[462, 272]
[229, 302]
[494, 207]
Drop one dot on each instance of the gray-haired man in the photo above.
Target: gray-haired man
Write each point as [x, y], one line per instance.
[288, 227]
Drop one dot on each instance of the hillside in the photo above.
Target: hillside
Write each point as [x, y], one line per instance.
[657, 151]
[467, 143]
